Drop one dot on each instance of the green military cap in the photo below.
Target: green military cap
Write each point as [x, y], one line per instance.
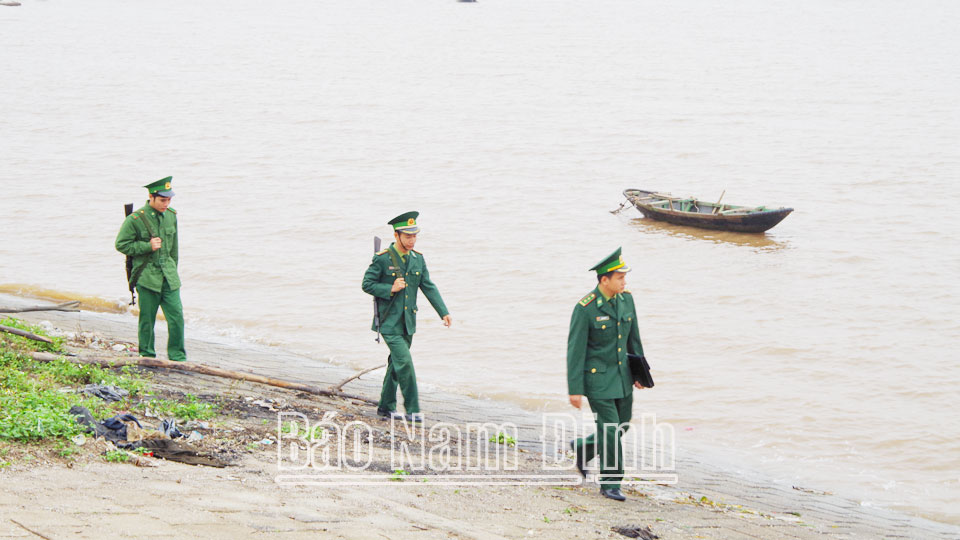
[161, 187]
[612, 263]
[406, 223]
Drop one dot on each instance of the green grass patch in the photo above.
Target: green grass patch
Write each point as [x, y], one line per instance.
[35, 396]
[116, 456]
[316, 433]
[34, 414]
[66, 449]
[32, 405]
[503, 438]
[23, 344]
[190, 408]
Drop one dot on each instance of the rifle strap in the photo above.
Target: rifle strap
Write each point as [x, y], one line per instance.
[400, 269]
[135, 276]
[143, 219]
[396, 262]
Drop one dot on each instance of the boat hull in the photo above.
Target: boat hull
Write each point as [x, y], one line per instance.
[748, 222]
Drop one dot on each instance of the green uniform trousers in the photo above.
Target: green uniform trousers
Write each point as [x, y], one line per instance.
[399, 371]
[169, 301]
[613, 417]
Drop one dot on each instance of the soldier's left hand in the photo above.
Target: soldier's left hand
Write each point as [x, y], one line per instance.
[447, 321]
[638, 385]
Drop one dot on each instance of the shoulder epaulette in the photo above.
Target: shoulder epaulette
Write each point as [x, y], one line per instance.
[382, 251]
[627, 291]
[417, 252]
[585, 301]
[172, 210]
[134, 216]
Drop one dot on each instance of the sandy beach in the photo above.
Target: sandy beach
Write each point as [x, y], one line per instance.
[45, 497]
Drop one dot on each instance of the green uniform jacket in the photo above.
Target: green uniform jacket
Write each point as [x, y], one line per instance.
[400, 316]
[134, 240]
[600, 338]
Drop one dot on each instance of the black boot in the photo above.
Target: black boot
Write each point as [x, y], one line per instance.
[391, 415]
[613, 493]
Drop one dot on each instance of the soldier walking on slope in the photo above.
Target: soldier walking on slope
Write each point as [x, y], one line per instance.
[149, 235]
[603, 329]
[394, 277]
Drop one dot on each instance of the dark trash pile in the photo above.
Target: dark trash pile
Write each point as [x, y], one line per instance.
[127, 433]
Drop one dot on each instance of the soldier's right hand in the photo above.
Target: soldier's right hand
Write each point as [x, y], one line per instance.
[155, 243]
[398, 285]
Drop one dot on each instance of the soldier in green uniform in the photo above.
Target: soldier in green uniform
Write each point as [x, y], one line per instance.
[149, 235]
[603, 330]
[394, 277]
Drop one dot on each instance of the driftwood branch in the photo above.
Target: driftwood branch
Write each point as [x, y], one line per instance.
[66, 306]
[24, 333]
[24, 527]
[206, 370]
[339, 386]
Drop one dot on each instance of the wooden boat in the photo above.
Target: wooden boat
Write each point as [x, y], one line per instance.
[704, 214]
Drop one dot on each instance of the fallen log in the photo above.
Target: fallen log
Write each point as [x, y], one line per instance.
[206, 370]
[24, 333]
[66, 306]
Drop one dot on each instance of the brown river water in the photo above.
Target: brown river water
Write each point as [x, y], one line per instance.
[822, 353]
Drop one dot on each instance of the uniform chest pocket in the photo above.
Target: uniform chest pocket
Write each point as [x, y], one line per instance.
[604, 323]
[413, 278]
